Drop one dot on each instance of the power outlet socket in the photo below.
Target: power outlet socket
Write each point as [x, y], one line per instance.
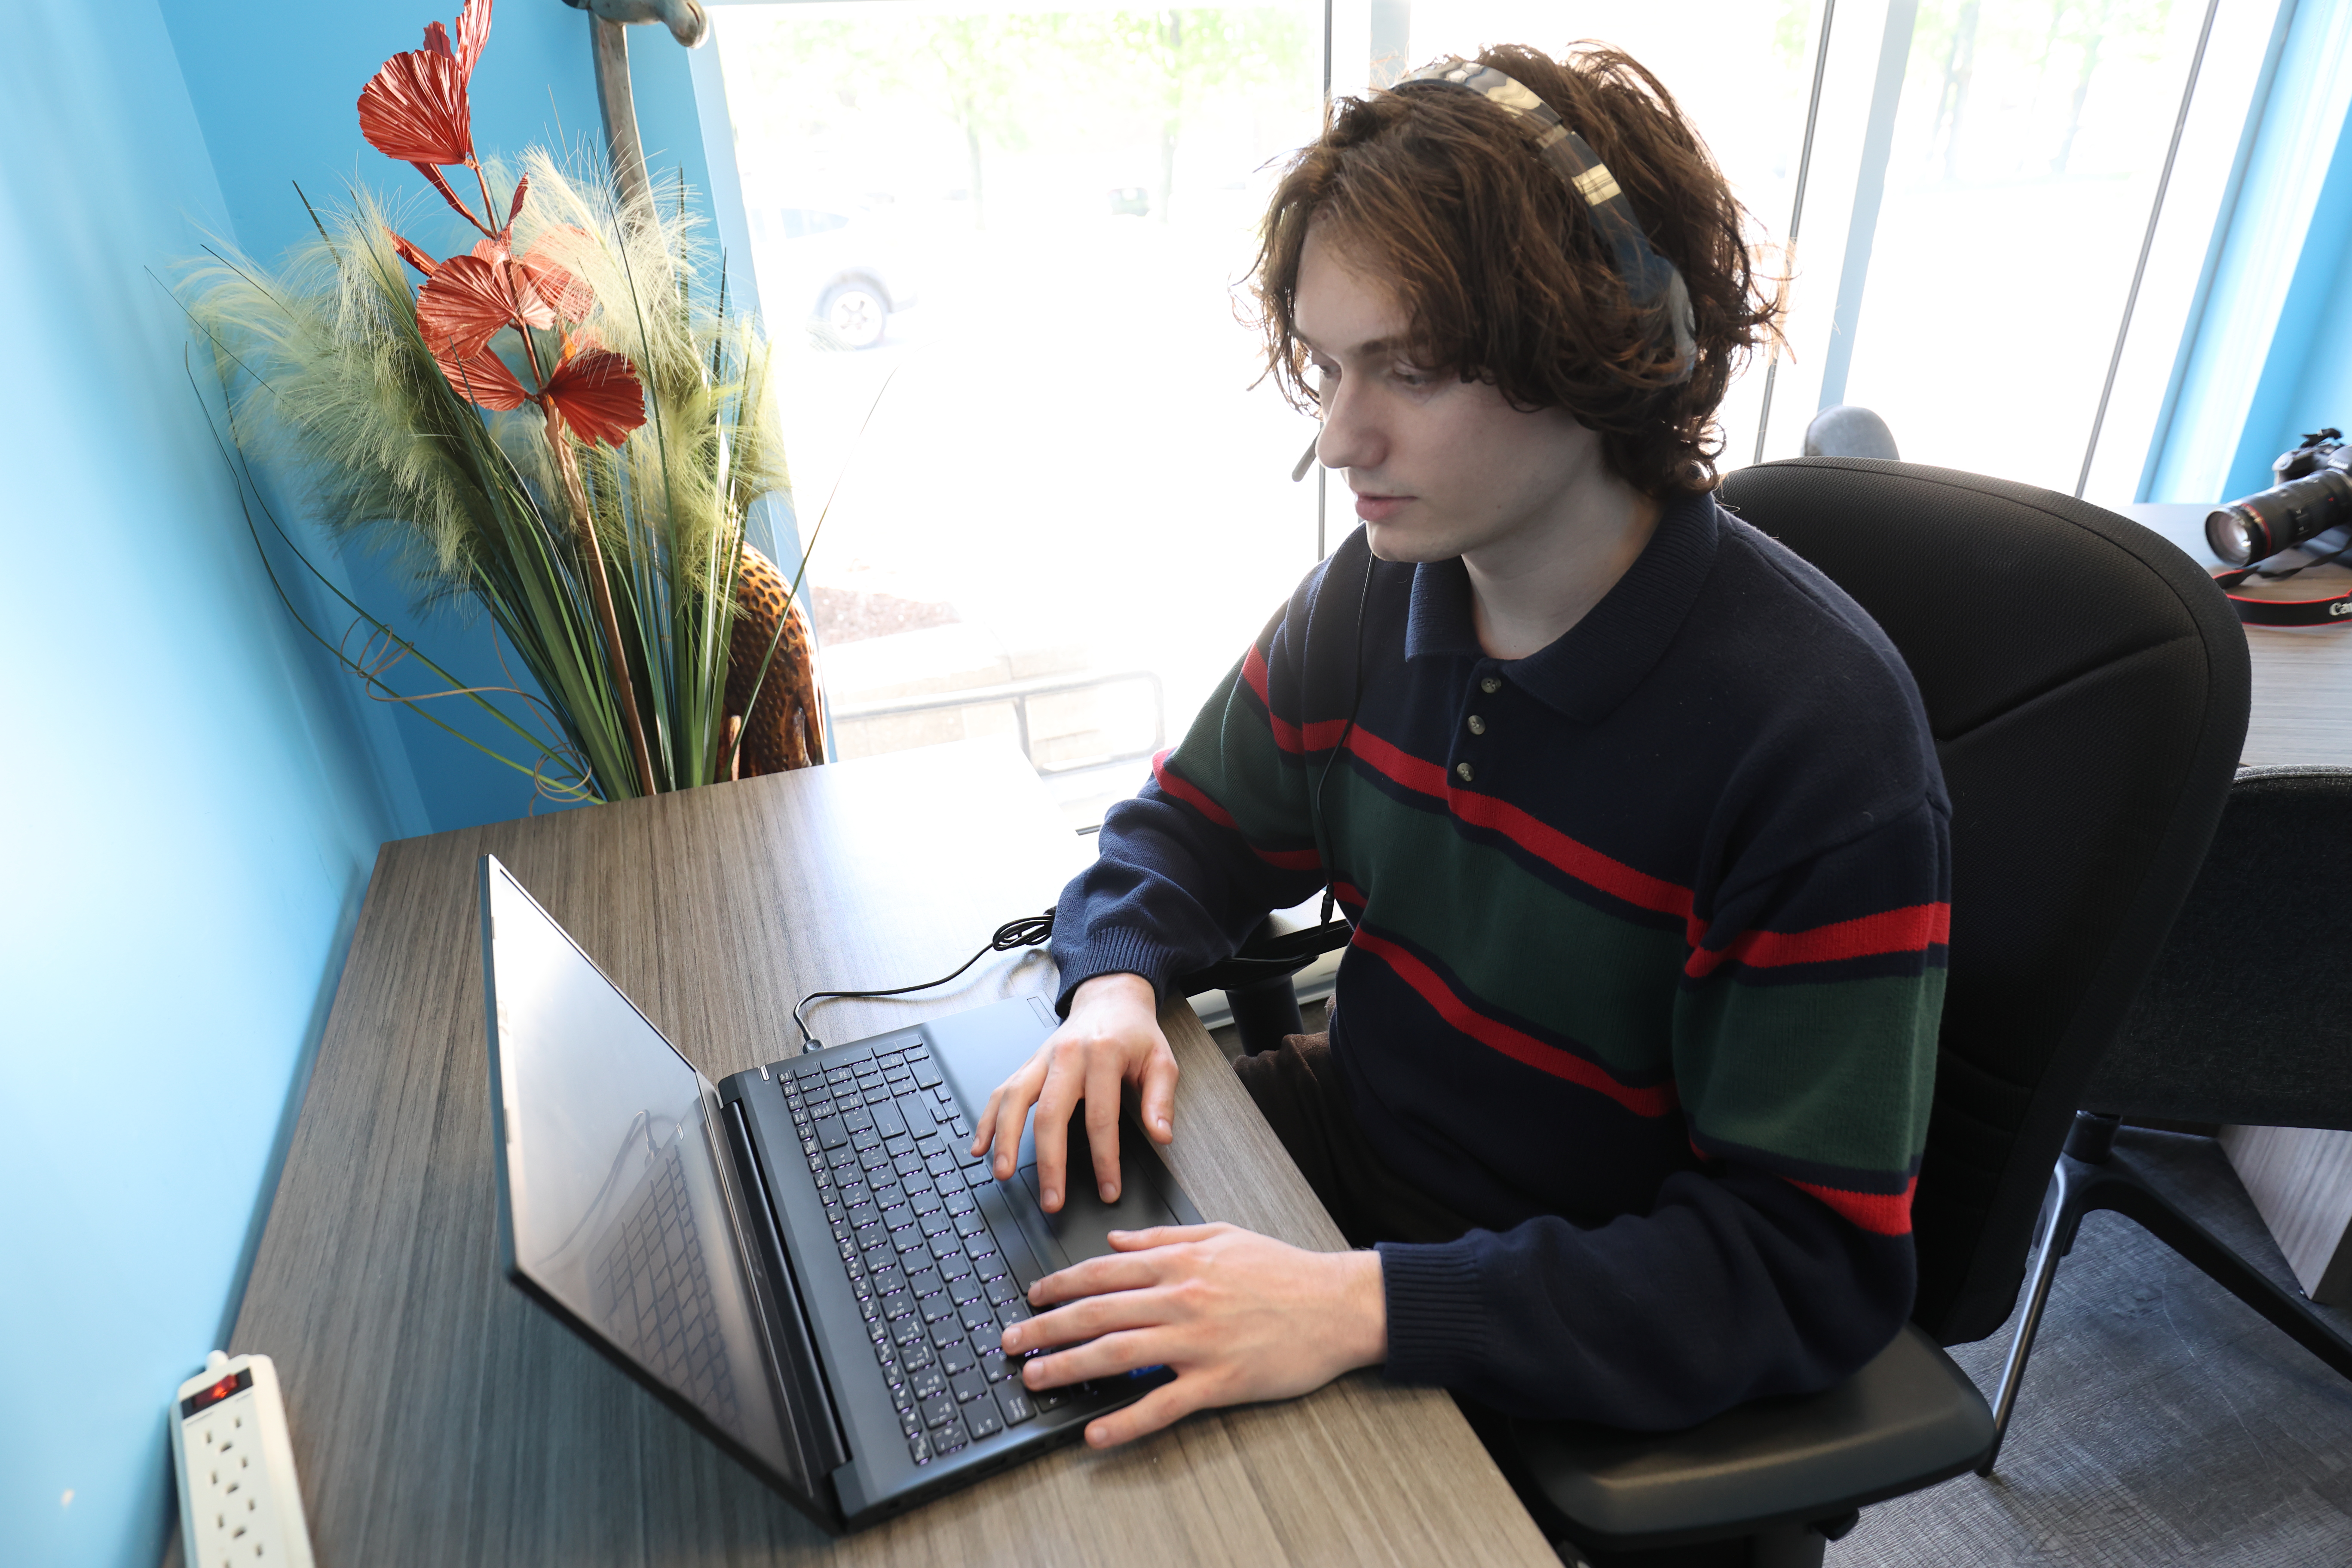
[240, 1501]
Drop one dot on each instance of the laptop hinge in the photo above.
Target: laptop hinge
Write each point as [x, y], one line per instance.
[814, 1419]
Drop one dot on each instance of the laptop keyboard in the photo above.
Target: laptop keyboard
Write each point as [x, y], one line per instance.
[885, 1142]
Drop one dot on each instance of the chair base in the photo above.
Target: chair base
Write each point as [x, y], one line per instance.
[1785, 1546]
[1265, 1012]
[2084, 1182]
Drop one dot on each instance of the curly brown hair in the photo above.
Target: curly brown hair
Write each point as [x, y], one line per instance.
[1500, 269]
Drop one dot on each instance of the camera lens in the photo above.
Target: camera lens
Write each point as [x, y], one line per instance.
[2280, 518]
[2235, 534]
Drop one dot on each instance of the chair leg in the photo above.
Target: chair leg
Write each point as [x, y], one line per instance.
[2067, 1210]
[2079, 1189]
[2132, 1198]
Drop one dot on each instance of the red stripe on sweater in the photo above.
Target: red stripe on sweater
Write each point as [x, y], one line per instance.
[1318, 736]
[1538, 838]
[1188, 791]
[1653, 1100]
[1285, 733]
[1192, 795]
[1914, 929]
[1881, 1213]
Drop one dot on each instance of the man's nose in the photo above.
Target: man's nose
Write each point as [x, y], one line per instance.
[1350, 440]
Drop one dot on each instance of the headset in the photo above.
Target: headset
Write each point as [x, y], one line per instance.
[1649, 277]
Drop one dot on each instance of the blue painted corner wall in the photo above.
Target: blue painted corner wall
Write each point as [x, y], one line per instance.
[192, 812]
[194, 794]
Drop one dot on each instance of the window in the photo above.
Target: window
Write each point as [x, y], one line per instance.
[2024, 166]
[1000, 247]
[998, 250]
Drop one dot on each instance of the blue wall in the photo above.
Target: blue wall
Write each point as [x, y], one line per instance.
[192, 810]
[194, 794]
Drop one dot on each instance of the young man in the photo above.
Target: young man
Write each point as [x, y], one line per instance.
[1635, 817]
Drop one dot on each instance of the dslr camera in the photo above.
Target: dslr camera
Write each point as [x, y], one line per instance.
[2314, 495]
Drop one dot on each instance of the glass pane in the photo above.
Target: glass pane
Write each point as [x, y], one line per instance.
[1027, 225]
[2027, 147]
[1740, 72]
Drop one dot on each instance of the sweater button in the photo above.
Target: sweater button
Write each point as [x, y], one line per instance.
[1490, 686]
[1478, 725]
[1462, 770]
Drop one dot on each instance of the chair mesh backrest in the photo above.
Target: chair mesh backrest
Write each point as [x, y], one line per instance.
[2086, 686]
[2248, 1016]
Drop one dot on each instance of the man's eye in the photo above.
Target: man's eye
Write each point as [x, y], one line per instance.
[1408, 375]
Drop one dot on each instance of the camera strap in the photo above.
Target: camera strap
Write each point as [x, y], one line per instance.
[2336, 610]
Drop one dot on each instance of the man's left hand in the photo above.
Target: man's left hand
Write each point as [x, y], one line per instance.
[1236, 1316]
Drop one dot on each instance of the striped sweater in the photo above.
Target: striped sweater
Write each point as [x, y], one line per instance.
[1648, 960]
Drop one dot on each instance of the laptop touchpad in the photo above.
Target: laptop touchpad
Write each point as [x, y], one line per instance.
[1081, 1228]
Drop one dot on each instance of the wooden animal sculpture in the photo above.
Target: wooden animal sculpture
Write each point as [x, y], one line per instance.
[786, 730]
[686, 21]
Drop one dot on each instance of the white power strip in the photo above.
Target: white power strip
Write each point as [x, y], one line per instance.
[240, 1505]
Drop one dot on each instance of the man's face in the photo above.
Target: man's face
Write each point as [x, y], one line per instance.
[1441, 467]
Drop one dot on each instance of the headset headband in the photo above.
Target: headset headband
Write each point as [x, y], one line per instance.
[1649, 277]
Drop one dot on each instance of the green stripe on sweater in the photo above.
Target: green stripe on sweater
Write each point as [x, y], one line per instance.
[1795, 1069]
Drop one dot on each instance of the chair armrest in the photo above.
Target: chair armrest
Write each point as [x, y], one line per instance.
[1265, 958]
[1907, 1420]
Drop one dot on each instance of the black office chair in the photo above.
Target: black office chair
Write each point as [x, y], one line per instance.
[2242, 1022]
[2086, 686]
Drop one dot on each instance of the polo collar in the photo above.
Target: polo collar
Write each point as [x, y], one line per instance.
[1596, 663]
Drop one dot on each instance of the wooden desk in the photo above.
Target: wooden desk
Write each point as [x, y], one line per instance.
[2299, 1177]
[441, 1419]
[2303, 675]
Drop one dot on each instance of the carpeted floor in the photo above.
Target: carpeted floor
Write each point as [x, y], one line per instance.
[2161, 1421]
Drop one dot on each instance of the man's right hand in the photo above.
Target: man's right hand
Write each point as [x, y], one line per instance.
[1111, 1038]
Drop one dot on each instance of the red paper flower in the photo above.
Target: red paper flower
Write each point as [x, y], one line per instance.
[412, 256]
[416, 108]
[566, 295]
[470, 300]
[485, 379]
[596, 393]
[555, 282]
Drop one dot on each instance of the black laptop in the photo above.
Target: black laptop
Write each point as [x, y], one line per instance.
[803, 1261]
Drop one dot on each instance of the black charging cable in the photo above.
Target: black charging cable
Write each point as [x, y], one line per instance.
[1029, 931]
[1355, 704]
[1032, 930]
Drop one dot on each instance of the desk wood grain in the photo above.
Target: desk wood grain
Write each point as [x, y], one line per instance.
[440, 1418]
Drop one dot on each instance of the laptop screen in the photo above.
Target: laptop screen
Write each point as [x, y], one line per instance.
[612, 1186]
